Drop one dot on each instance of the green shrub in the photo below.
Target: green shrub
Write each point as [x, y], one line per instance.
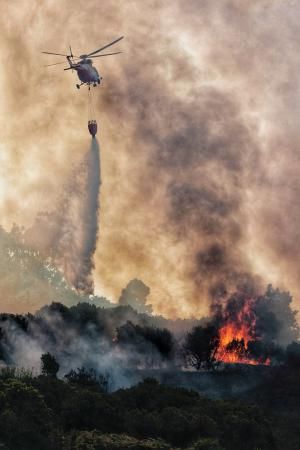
[93, 440]
[206, 444]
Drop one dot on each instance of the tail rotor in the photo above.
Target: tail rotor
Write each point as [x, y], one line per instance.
[71, 55]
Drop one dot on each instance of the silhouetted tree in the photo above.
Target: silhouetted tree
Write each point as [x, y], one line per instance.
[135, 295]
[150, 344]
[293, 355]
[200, 347]
[50, 366]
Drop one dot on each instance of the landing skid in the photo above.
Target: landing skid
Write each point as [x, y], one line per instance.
[88, 84]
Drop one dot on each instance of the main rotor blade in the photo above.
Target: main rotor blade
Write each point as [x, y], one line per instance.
[59, 54]
[55, 64]
[106, 54]
[106, 46]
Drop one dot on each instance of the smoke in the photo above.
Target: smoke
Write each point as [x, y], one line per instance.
[84, 259]
[270, 315]
[254, 328]
[111, 340]
[201, 131]
[203, 161]
[124, 343]
[69, 233]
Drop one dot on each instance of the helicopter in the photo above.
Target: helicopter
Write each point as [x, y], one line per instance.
[83, 64]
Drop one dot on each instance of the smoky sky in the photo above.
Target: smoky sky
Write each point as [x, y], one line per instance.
[198, 124]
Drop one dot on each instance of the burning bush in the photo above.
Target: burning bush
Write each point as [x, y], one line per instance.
[244, 329]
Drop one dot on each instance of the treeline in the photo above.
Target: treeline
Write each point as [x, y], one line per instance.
[96, 333]
[113, 340]
[77, 413]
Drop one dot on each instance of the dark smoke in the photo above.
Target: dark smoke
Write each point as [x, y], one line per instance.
[202, 154]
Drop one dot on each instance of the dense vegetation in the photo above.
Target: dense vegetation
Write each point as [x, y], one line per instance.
[117, 339]
[78, 413]
[63, 407]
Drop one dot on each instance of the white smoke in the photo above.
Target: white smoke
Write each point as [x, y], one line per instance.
[86, 241]
[69, 233]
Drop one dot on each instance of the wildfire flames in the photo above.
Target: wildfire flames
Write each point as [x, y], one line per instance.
[236, 333]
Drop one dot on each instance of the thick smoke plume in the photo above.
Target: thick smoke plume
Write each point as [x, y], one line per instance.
[69, 233]
[202, 128]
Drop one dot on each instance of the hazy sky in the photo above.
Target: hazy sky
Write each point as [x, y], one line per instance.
[199, 133]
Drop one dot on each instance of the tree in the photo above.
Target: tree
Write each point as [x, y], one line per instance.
[135, 295]
[88, 378]
[96, 441]
[200, 347]
[276, 320]
[50, 366]
[206, 444]
[151, 344]
[293, 355]
[27, 275]
[25, 421]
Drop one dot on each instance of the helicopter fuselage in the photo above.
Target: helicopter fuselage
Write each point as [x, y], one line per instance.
[86, 72]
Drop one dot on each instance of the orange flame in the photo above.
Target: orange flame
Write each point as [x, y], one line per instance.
[235, 335]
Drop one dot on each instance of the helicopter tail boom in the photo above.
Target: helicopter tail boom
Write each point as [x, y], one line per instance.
[73, 66]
